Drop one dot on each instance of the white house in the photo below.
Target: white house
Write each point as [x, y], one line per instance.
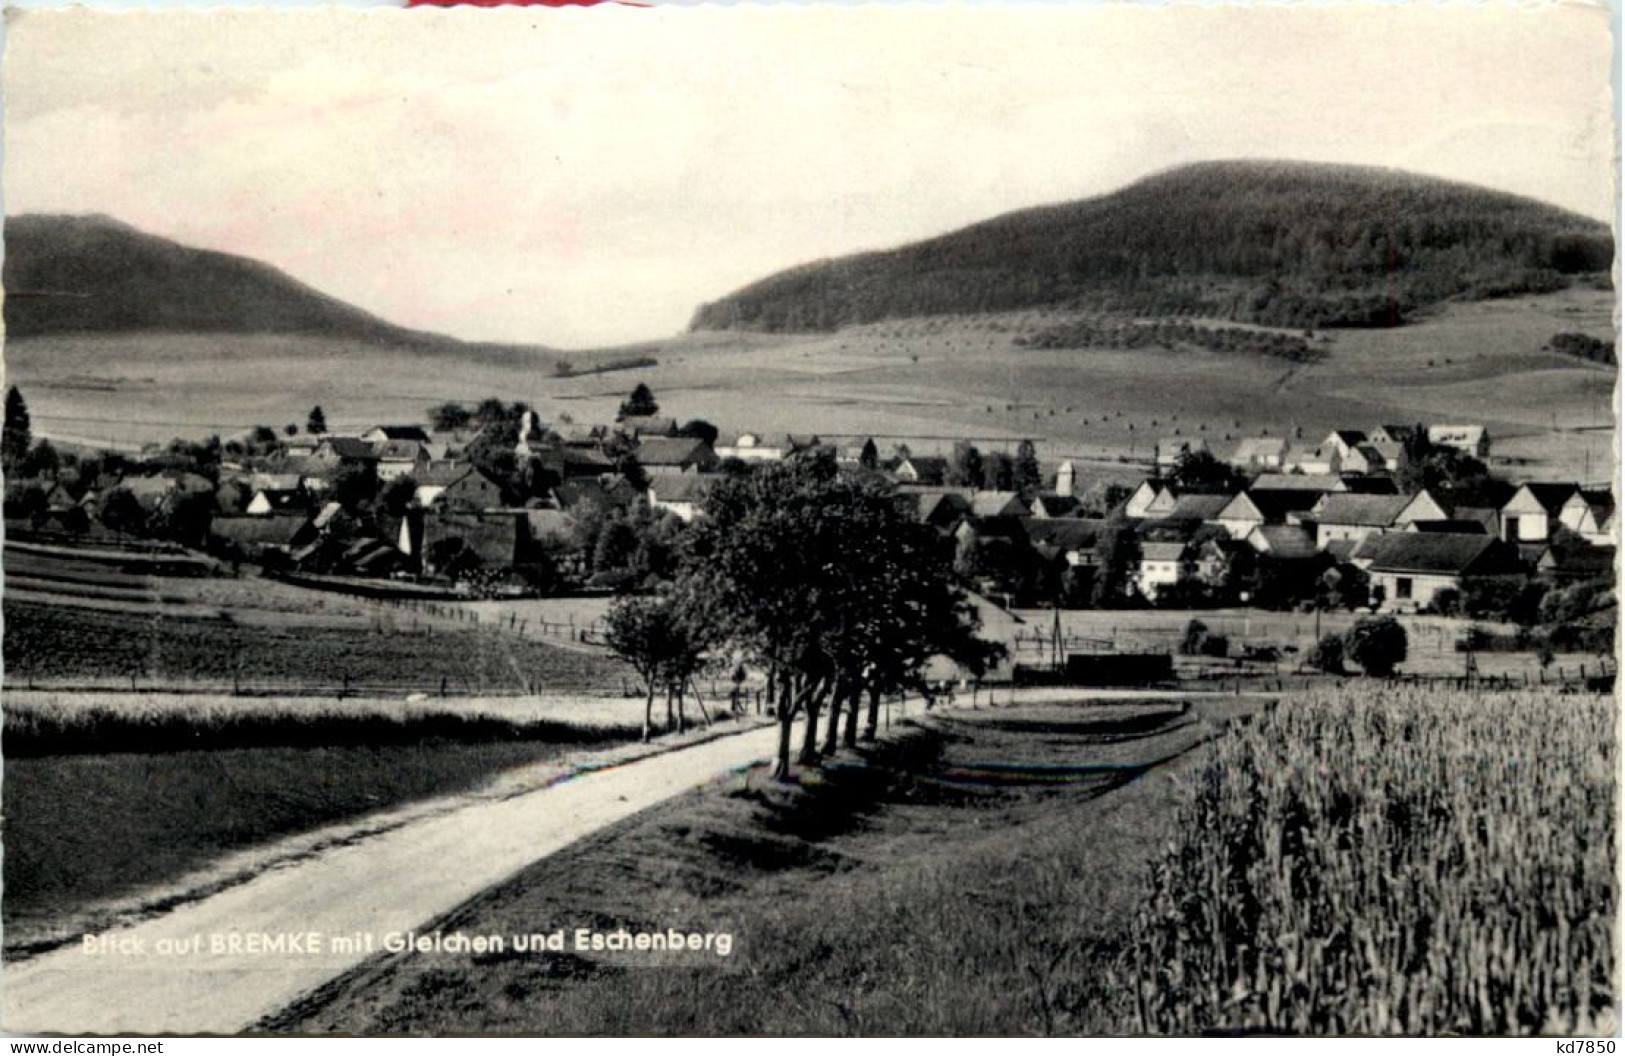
[1161, 565]
[1534, 511]
[680, 494]
[1150, 501]
[1590, 514]
[751, 447]
[1410, 568]
[1260, 453]
[1349, 516]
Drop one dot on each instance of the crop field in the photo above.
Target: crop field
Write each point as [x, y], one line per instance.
[129, 649]
[1414, 863]
[926, 381]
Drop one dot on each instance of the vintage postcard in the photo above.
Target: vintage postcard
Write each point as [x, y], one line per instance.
[960, 519]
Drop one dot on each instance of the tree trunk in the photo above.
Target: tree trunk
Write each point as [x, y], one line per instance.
[649, 712]
[832, 729]
[671, 718]
[854, 702]
[814, 699]
[781, 770]
[872, 727]
[772, 681]
[682, 719]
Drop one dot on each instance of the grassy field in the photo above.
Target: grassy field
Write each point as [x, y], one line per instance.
[928, 380]
[57, 643]
[857, 900]
[1073, 856]
[108, 795]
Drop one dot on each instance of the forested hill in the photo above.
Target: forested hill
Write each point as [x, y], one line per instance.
[95, 274]
[1287, 244]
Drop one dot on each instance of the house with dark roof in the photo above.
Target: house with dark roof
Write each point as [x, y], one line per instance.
[1342, 441]
[1346, 516]
[920, 469]
[268, 502]
[382, 433]
[1391, 434]
[1316, 482]
[1162, 565]
[470, 490]
[1575, 562]
[660, 455]
[1191, 511]
[1534, 511]
[999, 504]
[1257, 507]
[1284, 542]
[1589, 513]
[400, 458]
[1370, 457]
[1260, 453]
[1448, 527]
[1410, 568]
[639, 426]
[941, 508]
[458, 541]
[1047, 506]
[1313, 461]
[681, 494]
[337, 450]
[1074, 539]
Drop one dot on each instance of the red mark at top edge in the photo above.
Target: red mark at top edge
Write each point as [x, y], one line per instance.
[524, 3]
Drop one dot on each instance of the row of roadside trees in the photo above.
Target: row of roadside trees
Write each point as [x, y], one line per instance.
[820, 578]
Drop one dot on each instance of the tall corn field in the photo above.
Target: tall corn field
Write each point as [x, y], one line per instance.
[1379, 861]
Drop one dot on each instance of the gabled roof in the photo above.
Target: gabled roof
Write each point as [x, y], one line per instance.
[928, 469]
[671, 450]
[350, 447]
[1450, 527]
[1488, 517]
[1161, 551]
[648, 425]
[1580, 561]
[1362, 510]
[1551, 496]
[1056, 505]
[1277, 505]
[1448, 555]
[1349, 437]
[1599, 499]
[442, 473]
[1071, 533]
[399, 450]
[1198, 507]
[1360, 485]
[402, 432]
[999, 504]
[1259, 447]
[1285, 541]
[1322, 482]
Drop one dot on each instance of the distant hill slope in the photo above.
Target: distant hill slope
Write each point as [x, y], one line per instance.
[94, 274]
[1276, 243]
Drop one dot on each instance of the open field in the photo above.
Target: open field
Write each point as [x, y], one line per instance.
[110, 796]
[929, 380]
[56, 643]
[855, 900]
[1022, 841]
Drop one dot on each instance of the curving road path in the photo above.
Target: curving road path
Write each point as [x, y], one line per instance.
[389, 881]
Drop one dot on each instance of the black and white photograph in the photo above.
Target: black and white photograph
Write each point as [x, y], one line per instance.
[771, 520]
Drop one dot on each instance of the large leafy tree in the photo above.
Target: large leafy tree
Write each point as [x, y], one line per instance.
[316, 423]
[1028, 477]
[18, 435]
[1201, 472]
[824, 578]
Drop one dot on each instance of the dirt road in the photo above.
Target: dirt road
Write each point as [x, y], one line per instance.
[180, 972]
[177, 973]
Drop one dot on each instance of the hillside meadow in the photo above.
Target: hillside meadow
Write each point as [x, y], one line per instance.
[921, 381]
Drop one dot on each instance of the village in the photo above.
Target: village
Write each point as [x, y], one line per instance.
[491, 502]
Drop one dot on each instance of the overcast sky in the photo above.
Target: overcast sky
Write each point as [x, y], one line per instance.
[584, 177]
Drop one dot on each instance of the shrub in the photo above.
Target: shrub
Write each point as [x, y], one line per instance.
[1191, 643]
[1327, 655]
[1378, 644]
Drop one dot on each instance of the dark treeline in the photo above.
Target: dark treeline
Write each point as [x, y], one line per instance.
[1107, 333]
[1278, 244]
[1585, 346]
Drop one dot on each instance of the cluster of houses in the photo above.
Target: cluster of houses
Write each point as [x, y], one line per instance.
[1352, 452]
[1334, 503]
[1306, 515]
